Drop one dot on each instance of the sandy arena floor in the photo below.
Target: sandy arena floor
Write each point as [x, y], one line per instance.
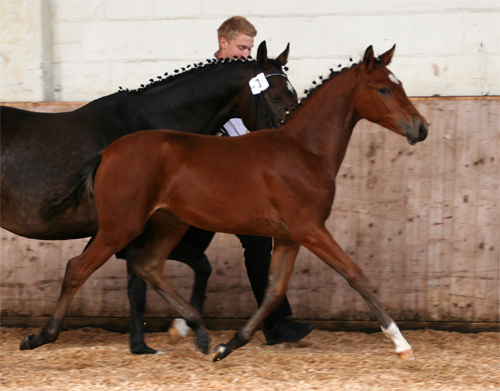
[94, 359]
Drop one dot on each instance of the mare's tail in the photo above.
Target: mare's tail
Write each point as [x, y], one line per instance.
[70, 194]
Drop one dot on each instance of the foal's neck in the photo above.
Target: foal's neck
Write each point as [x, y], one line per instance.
[325, 123]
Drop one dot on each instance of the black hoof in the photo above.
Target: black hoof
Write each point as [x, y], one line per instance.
[25, 343]
[287, 331]
[203, 346]
[221, 351]
[144, 349]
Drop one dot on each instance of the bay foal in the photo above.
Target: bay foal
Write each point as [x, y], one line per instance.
[278, 183]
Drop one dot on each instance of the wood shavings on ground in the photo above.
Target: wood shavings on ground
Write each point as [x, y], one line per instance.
[94, 359]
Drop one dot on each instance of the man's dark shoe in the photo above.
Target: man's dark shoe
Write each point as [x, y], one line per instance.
[287, 331]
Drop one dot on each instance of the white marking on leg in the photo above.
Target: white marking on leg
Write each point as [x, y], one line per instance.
[181, 326]
[395, 335]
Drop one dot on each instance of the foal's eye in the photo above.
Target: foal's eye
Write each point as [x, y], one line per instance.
[276, 98]
[384, 91]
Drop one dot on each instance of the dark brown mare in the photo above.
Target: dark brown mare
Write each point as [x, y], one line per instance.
[39, 149]
[278, 183]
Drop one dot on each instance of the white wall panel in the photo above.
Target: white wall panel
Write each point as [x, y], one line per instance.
[444, 48]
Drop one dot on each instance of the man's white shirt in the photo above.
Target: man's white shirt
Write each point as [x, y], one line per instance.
[235, 127]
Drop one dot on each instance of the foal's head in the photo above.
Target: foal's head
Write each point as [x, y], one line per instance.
[268, 109]
[380, 98]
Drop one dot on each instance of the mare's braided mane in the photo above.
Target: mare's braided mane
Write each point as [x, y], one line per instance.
[190, 69]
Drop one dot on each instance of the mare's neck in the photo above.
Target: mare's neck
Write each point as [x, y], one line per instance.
[324, 124]
[197, 101]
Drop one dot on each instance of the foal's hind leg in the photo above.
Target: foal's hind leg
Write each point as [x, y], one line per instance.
[78, 271]
[322, 244]
[166, 232]
[280, 269]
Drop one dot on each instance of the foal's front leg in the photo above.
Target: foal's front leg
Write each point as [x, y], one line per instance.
[280, 269]
[322, 244]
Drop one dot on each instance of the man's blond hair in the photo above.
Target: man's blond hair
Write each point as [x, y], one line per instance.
[235, 26]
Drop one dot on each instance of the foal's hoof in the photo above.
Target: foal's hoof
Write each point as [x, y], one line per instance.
[220, 352]
[407, 355]
[25, 343]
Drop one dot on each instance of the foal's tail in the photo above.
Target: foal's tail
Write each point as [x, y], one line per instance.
[70, 194]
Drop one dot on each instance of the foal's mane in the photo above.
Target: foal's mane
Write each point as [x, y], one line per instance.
[194, 68]
[317, 85]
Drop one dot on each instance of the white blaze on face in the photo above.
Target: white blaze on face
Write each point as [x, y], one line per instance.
[393, 78]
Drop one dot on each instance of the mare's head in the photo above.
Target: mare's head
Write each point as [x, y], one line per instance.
[268, 108]
[380, 98]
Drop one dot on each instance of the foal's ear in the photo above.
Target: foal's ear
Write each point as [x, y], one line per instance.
[262, 54]
[283, 57]
[386, 58]
[368, 59]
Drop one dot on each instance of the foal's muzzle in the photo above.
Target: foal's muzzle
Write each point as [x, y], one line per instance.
[416, 131]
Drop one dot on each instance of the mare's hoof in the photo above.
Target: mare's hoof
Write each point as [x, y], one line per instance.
[25, 343]
[144, 349]
[203, 346]
[407, 355]
[220, 352]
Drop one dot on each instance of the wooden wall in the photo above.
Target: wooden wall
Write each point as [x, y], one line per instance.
[423, 223]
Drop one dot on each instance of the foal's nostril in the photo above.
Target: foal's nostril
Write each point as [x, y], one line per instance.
[422, 132]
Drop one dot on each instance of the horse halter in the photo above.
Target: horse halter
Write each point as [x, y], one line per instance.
[260, 98]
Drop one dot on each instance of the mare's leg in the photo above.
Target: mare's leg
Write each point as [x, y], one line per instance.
[191, 251]
[136, 290]
[191, 254]
[257, 254]
[78, 271]
[322, 244]
[281, 267]
[277, 328]
[167, 230]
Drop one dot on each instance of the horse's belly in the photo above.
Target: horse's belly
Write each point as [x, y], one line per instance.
[232, 217]
[21, 217]
[42, 231]
[25, 182]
